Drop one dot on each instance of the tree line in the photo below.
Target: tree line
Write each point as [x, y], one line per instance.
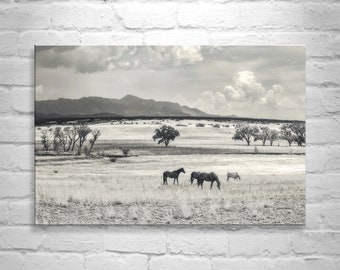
[293, 132]
[69, 139]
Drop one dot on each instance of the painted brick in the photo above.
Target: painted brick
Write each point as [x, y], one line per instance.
[3, 212]
[336, 47]
[21, 17]
[268, 243]
[53, 261]
[5, 100]
[323, 73]
[107, 261]
[178, 263]
[195, 242]
[16, 129]
[254, 264]
[276, 15]
[29, 39]
[111, 38]
[176, 37]
[206, 15]
[21, 212]
[330, 126]
[8, 45]
[29, 238]
[16, 185]
[25, 23]
[147, 15]
[319, 263]
[22, 99]
[75, 16]
[73, 239]
[250, 38]
[316, 243]
[331, 216]
[331, 101]
[17, 157]
[317, 45]
[323, 188]
[316, 158]
[16, 71]
[313, 216]
[322, 16]
[11, 260]
[141, 240]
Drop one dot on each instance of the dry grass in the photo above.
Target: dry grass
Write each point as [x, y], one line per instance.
[80, 190]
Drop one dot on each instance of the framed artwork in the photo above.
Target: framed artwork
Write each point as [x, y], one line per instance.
[170, 135]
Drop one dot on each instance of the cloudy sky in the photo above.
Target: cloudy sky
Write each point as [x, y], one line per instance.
[247, 81]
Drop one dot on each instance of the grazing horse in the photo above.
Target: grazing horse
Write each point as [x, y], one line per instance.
[210, 177]
[233, 175]
[194, 175]
[173, 175]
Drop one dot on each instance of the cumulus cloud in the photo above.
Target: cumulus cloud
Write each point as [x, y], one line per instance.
[91, 59]
[245, 87]
[246, 95]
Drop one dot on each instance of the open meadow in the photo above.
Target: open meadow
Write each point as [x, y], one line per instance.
[111, 188]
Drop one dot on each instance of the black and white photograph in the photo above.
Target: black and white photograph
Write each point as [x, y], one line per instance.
[170, 135]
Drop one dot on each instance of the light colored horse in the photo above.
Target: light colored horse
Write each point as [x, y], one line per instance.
[233, 175]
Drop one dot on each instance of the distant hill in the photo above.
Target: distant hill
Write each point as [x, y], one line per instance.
[128, 106]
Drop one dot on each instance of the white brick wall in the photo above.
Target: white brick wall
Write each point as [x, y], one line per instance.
[314, 23]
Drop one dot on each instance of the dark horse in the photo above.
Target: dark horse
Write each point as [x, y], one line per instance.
[194, 175]
[210, 177]
[173, 175]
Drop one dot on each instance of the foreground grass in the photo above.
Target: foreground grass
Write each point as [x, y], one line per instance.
[130, 191]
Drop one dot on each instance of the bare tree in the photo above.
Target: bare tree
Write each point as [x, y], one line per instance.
[95, 135]
[59, 140]
[73, 137]
[46, 139]
[165, 134]
[82, 131]
[245, 133]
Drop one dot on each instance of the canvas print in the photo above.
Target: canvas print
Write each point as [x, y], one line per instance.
[167, 135]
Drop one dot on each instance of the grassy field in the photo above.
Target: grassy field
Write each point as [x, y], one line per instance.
[80, 190]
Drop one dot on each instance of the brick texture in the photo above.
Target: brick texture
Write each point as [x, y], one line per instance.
[24, 24]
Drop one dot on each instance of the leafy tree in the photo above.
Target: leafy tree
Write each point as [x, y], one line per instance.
[245, 133]
[82, 131]
[165, 134]
[287, 134]
[273, 136]
[299, 132]
[262, 135]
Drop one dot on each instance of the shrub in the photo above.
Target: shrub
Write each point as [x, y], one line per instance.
[126, 151]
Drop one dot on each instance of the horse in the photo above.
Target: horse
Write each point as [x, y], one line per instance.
[173, 175]
[194, 175]
[210, 177]
[234, 175]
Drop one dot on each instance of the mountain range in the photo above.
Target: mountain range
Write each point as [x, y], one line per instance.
[128, 106]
